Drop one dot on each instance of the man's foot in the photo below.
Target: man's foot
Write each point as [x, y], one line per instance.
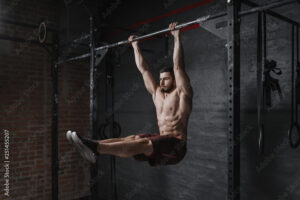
[86, 147]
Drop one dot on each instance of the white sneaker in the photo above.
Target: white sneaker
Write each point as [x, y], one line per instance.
[68, 135]
[84, 151]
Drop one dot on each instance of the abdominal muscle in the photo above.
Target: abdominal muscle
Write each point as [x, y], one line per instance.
[172, 125]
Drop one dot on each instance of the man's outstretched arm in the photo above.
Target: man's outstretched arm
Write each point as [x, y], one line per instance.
[143, 67]
[181, 77]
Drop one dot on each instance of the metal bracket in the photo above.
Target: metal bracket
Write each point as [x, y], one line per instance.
[99, 55]
[217, 26]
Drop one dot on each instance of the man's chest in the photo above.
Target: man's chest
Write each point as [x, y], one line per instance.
[167, 104]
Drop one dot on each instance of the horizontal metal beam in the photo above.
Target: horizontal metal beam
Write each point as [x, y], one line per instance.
[199, 20]
[272, 13]
[266, 7]
[74, 58]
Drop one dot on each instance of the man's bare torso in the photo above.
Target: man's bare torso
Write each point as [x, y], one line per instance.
[173, 111]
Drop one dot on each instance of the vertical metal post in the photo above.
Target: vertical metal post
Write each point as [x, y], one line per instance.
[297, 71]
[94, 169]
[293, 78]
[262, 79]
[233, 47]
[109, 112]
[54, 136]
[110, 107]
[261, 60]
[110, 117]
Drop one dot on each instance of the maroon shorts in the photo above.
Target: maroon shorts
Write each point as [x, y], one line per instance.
[167, 150]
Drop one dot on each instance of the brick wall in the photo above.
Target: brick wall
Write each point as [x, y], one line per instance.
[26, 109]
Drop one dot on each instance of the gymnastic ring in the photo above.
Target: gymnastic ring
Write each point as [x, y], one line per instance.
[42, 34]
[116, 130]
[261, 139]
[296, 144]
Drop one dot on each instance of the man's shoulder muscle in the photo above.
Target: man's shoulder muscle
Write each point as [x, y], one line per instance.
[186, 90]
[155, 93]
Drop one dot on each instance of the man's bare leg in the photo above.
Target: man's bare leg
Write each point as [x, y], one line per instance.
[111, 140]
[126, 148]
